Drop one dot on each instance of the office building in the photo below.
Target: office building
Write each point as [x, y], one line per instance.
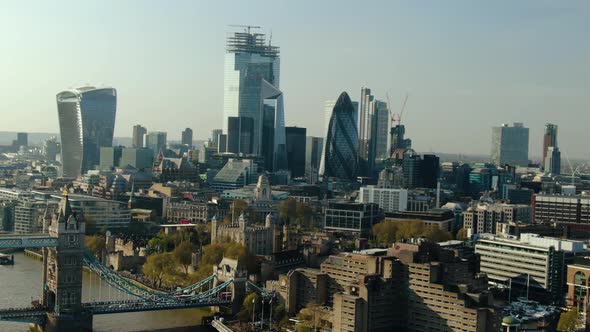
[99, 213]
[51, 148]
[156, 141]
[215, 137]
[139, 132]
[140, 158]
[510, 145]
[578, 273]
[7, 215]
[388, 199]
[352, 217]
[187, 137]
[190, 212]
[86, 122]
[429, 171]
[552, 161]
[222, 143]
[411, 166]
[251, 85]
[444, 219]
[296, 144]
[28, 215]
[22, 139]
[313, 156]
[373, 126]
[549, 140]
[235, 174]
[572, 211]
[483, 217]
[534, 261]
[110, 157]
[240, 135]
[341, 145]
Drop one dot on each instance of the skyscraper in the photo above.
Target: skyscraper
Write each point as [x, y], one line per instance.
[382, 130]
[251, 82]
[138, 133]
[549, 140]
[187, 137]
[156, 141]
[365, 129]
[328, 109]
[239, 134]
[296, 150]
[552, 161]
[313, 154]
[86, 122]
[215, 137]
[341, 146]
[510, 145]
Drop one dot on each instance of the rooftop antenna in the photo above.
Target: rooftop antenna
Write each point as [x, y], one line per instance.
[270, 39]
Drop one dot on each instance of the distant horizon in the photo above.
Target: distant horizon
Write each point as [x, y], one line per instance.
[466, 66]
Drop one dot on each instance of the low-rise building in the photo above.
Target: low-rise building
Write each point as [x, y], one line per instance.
[352, 217]
[443, 218]
[388, 199]
[532, 264]
[483, 217]
[190, 211]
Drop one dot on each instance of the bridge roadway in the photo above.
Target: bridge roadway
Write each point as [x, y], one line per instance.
[27, 315]
[38, 314]
[20, 241]
[113, 307]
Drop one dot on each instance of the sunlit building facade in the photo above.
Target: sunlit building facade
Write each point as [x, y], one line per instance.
[87, 123]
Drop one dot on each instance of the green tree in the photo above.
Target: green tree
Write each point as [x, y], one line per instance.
[251, 302]
[568, 321]
[461, 234]
[157, 266]
[95, 244]
[304, 214]
[183, 254]
[162, 242]
[407, 229]
[434, 234]
[288, 209]
[385, 232]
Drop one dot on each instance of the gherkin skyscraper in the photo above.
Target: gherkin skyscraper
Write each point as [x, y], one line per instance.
[341, 147]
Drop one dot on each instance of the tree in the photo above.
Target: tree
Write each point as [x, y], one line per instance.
[183, 254]
[461, 234]
[157, 266]
[385, 232]
[568, 321]
[288, 209]
[434, 234]
[304, 214]
[162, 242]
[95, 244]
[408, 229]
[251, 302]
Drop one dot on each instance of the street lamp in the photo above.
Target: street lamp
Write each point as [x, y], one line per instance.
[253, 311]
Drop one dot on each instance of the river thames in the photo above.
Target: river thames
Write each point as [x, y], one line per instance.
[22, 282]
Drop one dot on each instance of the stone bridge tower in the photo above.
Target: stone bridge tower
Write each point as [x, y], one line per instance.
[232, 269]
[62, 272]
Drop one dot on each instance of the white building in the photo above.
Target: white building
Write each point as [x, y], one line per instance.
[388, 199]
[533, 260]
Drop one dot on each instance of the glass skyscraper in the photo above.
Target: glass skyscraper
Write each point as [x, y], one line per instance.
[251, 81]
[87, 123]
[341, 146]
[510, 145]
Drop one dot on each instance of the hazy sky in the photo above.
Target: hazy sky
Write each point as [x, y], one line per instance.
[467, 65]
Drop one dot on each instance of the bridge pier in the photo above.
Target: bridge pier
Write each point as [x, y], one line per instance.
[68, 323]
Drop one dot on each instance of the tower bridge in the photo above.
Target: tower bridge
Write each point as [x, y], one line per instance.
[61, 308]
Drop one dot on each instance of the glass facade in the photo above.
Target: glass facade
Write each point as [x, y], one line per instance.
[341, 146]
[510, 145]
[156, 141]
[87, 123]
[296, 150]
[250, 68]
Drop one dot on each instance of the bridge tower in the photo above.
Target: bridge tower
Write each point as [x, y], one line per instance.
[62, 272]
[232, 269]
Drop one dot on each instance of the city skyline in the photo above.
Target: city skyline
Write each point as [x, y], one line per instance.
[496, 68]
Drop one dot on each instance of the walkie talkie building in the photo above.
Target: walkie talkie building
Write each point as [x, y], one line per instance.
[86, 123]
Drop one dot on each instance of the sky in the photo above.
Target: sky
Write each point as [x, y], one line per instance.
[466, 65]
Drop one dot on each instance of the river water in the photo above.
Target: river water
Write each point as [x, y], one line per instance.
[22, 282]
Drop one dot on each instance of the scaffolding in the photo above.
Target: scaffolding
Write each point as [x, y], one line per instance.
[250, 42]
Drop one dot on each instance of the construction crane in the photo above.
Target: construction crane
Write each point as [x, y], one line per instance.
[571, 168]
[246, 27]
[397, 117]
